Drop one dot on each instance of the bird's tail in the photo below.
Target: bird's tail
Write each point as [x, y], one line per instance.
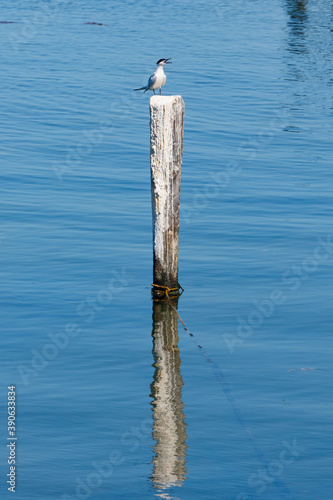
[141, 88]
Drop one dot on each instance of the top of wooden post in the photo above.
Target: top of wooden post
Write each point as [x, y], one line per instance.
[162, 100]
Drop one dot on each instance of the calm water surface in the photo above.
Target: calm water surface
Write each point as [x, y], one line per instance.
[107, 406]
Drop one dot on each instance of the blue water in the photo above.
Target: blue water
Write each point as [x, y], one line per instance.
[247, 415]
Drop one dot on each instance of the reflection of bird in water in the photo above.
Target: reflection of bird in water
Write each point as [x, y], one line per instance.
[157, 79]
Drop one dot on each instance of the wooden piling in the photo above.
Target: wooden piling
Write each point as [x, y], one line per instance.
[166, 149]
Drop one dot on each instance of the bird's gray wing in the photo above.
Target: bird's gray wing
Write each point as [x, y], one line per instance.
[152, 80]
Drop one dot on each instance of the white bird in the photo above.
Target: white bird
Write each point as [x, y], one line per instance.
[157, 79]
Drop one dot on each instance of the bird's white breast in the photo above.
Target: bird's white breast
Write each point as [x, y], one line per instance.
[160, 79]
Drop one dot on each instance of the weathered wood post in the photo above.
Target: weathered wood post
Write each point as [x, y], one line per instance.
[166, 149]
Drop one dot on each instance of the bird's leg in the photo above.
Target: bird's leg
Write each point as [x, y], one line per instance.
[160, 91]
[154, 92]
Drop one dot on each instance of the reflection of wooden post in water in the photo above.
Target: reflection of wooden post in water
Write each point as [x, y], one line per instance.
[169, 428]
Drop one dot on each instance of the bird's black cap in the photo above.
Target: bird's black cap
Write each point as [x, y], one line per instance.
[162, 60]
